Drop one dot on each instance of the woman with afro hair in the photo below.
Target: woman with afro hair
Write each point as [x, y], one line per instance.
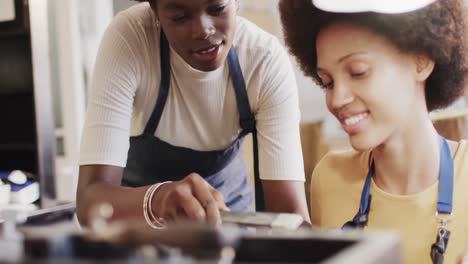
[177, 85]
[383, 65]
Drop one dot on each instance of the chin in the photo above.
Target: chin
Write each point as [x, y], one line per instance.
[213, 66]
[362, 143]
[208, 66]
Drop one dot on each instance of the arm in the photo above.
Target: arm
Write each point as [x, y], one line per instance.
[101, 183]
[286, 196]
[280, 153]
[117, 81]
[190, 198]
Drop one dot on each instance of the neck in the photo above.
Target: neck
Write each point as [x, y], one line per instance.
[408, 162]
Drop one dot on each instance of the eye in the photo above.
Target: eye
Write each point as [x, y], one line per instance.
[327, 86]
[358, 70]
[358, 74]
[178, 18]
[218, 10]
[326, 82]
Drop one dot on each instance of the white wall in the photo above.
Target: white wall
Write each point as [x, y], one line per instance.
[7, 10]
[120, 5]
[76, 27]
[95, 16]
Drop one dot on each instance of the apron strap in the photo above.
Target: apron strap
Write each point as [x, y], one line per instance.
[445, 195]
[155, 117]
[444, 203]
[247, 118]
[247, 121]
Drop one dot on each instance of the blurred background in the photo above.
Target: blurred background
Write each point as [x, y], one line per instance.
[67, 47]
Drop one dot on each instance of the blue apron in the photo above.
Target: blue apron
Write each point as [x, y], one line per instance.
[151, 160]
[444, 203]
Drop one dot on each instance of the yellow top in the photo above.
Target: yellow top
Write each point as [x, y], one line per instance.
[336, 189]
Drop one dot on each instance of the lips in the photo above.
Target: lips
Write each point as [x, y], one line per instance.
[208, 53]
[353, 122]
[208, 49]
[354, 119]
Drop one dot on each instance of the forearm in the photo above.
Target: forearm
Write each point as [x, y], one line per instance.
[293, 207]
[127, 202]
[286, 197]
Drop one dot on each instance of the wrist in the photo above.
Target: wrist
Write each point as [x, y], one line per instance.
[158, 197]
[148, 212]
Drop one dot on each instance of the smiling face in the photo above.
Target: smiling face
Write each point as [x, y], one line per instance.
[372, 88]
[200, 31]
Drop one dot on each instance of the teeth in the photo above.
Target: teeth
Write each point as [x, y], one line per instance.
[208, 50]
[354, 119]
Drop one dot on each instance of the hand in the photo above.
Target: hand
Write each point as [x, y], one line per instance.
[191, 198]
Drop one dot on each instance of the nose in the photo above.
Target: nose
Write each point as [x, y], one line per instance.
[340, 96]
[203, 27]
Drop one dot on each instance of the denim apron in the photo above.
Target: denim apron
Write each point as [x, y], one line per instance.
[151, 160]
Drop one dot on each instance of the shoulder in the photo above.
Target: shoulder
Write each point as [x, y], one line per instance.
[136, 20]
[337, 178]
[343, 166]
[141, 14]
[250, 38]
[263, 60]
[131, 36]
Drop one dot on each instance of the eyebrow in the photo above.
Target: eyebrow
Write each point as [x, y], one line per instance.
[345, 57]
[351, 55]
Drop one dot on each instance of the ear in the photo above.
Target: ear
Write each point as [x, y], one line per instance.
[424, 67]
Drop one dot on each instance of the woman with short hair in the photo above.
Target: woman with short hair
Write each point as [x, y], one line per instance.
[177, 86]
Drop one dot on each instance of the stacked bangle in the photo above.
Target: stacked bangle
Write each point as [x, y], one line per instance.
[151, 219]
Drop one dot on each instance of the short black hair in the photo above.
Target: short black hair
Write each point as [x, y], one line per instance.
[438, 31]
